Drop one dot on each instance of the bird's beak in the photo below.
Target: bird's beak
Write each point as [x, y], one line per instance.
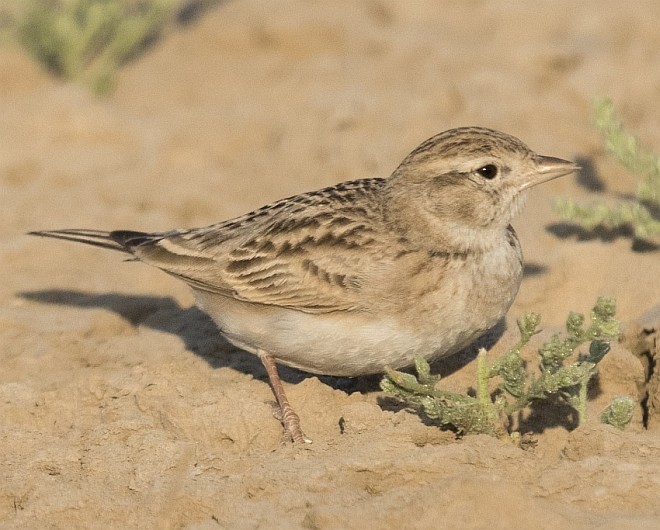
[548, 168]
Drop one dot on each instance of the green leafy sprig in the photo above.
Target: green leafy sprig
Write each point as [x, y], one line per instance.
[641, 214]
[490, 413]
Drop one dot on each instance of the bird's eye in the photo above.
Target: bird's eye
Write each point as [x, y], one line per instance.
[489, 171]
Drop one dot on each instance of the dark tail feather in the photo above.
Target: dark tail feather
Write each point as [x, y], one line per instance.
[121, 240]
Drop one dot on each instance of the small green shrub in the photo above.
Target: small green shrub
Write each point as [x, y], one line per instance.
[90, 39]
[620, 412]
[518, 387]
[641, 215]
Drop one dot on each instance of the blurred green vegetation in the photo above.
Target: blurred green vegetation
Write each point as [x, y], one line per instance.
[641, 214]
[89, 40]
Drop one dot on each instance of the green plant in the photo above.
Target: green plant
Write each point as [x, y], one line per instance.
[89, 39]
[641, 214]
[619, 413]
[517, 387]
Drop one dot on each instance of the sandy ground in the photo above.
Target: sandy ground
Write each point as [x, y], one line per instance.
[119, 404]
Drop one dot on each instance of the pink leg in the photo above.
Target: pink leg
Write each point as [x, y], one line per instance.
[290, 419]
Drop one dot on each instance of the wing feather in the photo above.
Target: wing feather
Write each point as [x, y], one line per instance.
[308, 253]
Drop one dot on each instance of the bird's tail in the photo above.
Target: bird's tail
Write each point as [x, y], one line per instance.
[121, 240]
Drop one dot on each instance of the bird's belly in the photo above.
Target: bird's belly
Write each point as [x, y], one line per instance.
[339, 343]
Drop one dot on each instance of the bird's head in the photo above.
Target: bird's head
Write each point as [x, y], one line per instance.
[468, 183]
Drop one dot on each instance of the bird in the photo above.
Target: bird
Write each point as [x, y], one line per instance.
[366, 274]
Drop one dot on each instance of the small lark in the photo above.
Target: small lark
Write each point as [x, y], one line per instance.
[368, 273]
